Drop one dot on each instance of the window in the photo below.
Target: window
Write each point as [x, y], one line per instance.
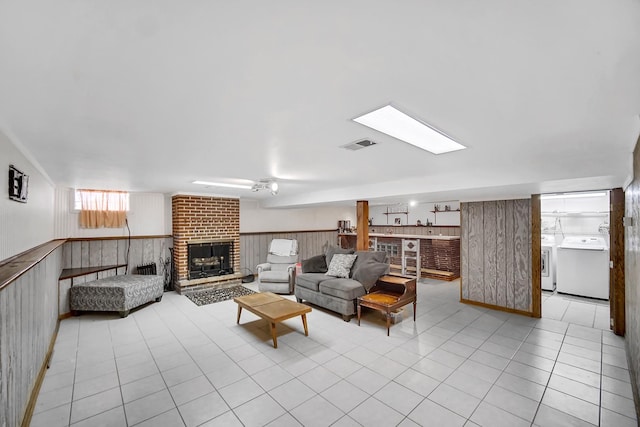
[115, 198]
[102, 208]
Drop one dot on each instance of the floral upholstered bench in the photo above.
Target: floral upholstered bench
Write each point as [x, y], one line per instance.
[116, 293]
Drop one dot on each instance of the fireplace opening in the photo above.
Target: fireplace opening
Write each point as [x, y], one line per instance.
[210, 259]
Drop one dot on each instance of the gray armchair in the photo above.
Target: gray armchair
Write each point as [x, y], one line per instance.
[278, 273]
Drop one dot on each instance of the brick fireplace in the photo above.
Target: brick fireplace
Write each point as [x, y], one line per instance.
[200, 222]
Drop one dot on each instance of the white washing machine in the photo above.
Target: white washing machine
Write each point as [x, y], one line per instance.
[583, 267]
[548, 260]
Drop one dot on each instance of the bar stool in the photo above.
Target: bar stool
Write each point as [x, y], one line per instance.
[411, 252]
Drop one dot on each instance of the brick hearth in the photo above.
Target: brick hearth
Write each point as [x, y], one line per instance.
[199, 219]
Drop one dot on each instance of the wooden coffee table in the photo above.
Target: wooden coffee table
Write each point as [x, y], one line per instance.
[274, 309]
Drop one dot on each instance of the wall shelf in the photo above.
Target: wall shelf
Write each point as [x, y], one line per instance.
[450, 210]
[575, 214]
[436, 212]
[405, 212]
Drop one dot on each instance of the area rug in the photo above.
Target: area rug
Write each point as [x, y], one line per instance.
[209, 296]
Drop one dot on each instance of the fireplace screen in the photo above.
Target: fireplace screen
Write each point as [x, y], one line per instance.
[210, 259]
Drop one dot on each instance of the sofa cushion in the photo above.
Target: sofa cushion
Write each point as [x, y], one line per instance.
[369, 272]
[311, 280]
[332, 250]
[365, 256]
[315, 264]
[281, 276]
[340, 265]
[342, 288]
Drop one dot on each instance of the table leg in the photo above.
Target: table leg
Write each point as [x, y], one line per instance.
[359, 309]
[388, 322]
[273, 335]
[304, 323]
[414, 311]
[239, 311]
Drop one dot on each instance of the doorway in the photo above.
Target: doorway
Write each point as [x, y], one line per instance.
[581, 249]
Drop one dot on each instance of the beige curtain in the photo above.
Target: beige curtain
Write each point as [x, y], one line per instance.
[103, 208]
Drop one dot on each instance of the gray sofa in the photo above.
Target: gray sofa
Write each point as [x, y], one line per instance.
[340, 294]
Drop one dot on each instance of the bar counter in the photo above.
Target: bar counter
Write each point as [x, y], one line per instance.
[439, 255]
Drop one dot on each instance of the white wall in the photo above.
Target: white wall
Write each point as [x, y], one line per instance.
[422, 212]
[149, 215]
[255, 219]
[23, 225]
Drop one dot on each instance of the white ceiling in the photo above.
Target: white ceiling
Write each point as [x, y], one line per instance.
[151, 95]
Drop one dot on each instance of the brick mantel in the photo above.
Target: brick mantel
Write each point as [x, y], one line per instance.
[198, 219]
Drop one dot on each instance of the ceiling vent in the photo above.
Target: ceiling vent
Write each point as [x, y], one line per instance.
[358, 145]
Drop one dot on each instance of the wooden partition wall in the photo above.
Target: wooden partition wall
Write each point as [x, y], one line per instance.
[496, 255]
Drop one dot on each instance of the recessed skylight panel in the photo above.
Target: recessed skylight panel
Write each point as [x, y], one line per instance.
[399, 125]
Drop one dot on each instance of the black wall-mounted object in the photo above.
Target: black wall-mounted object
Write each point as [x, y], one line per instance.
[18, 185]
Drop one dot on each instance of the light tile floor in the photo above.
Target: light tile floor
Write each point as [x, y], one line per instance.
[175, 364]
[590, 312]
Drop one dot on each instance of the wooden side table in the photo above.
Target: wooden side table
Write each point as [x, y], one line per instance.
[389, 294]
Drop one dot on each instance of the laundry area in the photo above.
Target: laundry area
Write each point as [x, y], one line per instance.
[575, 244]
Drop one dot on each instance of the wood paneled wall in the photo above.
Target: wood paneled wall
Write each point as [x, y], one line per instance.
[29, 320]
[255, 246]
[99, 252]
[632, 271]
[495, 254]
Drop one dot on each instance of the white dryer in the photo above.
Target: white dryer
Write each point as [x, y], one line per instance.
[583, 267]
[548, 261]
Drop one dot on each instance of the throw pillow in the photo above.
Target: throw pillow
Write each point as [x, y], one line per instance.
[340, 265]
[332, 250]
[369, 272]
[315, 264]
[365, 256]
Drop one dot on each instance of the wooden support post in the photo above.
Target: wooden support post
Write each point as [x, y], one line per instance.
[536, 254]
[362, 224]
[616, 256]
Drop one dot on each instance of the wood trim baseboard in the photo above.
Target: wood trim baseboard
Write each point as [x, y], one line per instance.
[258, 233]
[88, 239]
[497, 307]
[12, 268]
[33, 397]
[65, 316]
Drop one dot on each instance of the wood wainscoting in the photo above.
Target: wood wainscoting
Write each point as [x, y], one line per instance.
[254, 247]
[28, 296]
[99, 251]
